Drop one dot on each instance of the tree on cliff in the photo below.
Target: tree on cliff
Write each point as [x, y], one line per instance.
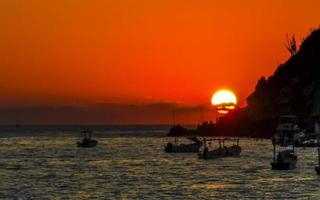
[291, 45]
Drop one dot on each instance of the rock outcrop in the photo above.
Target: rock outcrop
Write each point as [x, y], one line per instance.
[289, 91]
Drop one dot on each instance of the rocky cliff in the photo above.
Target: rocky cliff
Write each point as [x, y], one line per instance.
[289, 91]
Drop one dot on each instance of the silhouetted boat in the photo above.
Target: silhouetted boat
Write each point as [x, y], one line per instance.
[221, 151]
[184, 148]
[204, 129]
[284, 137]
[87, 141]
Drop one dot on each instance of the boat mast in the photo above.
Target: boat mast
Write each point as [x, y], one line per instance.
[188, 119]
[173, 117]
[202, 118]
[317, 132]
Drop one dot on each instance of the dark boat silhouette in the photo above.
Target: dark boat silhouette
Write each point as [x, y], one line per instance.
[184, 148]
[285, 160]
[87, 141]
[222, 150]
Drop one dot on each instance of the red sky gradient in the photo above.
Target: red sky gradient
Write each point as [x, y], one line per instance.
[83, 53]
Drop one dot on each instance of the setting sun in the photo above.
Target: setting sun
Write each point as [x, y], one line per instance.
[223, 97]
[224, 100]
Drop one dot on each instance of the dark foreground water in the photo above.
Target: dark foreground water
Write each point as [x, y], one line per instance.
[135, 167]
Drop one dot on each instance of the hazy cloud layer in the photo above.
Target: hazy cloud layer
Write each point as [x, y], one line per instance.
[106, 113]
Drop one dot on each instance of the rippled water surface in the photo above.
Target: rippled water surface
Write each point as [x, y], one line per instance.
[137, 168]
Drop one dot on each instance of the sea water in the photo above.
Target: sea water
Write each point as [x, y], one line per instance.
[45, 163]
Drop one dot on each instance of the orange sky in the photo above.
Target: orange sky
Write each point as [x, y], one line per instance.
[71, 52]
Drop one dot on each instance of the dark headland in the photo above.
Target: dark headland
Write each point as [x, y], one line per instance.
[293, 89]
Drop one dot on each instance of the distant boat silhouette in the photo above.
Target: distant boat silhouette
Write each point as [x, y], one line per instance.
[87, 141]
[221, 151]
[184, 148]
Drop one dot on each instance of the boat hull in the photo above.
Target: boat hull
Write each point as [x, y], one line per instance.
[183, 148]
[233, 151]
[317, 169]
[282, 166]
[205, 156]
[286, 160]
[307, 145]
[91, 143]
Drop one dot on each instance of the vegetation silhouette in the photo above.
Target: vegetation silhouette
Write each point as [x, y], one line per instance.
[291, 45]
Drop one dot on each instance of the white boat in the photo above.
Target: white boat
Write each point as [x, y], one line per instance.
[184, 148]
[221, 151]
[285, 136]
[288, 131]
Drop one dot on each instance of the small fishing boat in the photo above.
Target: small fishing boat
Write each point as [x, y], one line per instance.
[87, 140]
[221, 151]
[184, 148]
[284, 137]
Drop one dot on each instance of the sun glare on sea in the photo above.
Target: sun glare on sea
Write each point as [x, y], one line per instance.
[224, 100]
